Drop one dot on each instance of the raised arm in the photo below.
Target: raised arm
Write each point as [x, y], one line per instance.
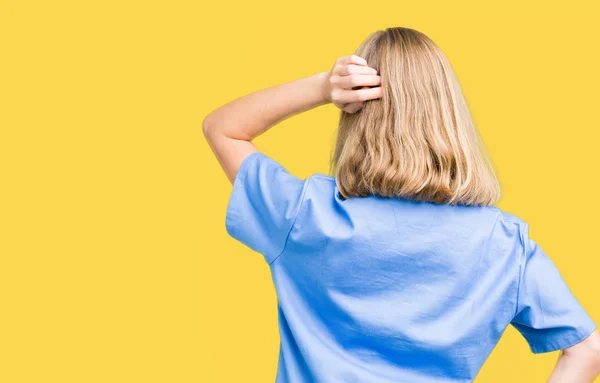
[230, 129]
[579, 363]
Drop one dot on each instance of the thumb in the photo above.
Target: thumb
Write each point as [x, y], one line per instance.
[353, 107]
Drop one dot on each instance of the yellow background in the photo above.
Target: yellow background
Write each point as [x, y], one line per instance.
[115, 263]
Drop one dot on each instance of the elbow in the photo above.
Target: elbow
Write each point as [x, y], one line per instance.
[206, 126]
[210, 130]
[214, 129]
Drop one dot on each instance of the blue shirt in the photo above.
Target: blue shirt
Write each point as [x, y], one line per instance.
[374, 289]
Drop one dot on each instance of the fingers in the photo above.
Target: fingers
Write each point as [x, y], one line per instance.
[345, 70]
[353, 107]
[352, 59]
[348, 74]
[354, 80]
[345, 96]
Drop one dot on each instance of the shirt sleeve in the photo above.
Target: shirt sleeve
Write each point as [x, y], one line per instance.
[548, 315]
[263, 205]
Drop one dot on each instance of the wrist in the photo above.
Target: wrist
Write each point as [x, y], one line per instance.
[323, 85]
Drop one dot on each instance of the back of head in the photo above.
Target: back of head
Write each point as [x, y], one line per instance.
[418, 140]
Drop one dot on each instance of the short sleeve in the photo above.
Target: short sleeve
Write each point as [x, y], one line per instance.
[263, 205]
[548, 315]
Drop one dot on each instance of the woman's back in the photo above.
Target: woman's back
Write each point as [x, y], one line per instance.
[375, 289]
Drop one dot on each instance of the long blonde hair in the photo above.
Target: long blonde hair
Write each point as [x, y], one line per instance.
[418, 141]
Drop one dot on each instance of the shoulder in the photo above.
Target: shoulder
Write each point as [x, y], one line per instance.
[321, 189]
[321, 182]
[500, 215]
[514, 229]
[264, 181]
[263, 205]
[265, 171]
[511, 218]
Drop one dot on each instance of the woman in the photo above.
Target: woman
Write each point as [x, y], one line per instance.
[399, 268]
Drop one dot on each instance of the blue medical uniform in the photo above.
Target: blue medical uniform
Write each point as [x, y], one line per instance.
[374, 289]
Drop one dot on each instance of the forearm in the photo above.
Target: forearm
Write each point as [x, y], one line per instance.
[247, 117]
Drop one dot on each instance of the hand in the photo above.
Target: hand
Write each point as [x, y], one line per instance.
[348, 73]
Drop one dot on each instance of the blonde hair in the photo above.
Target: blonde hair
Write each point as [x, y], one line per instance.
[418, 140]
